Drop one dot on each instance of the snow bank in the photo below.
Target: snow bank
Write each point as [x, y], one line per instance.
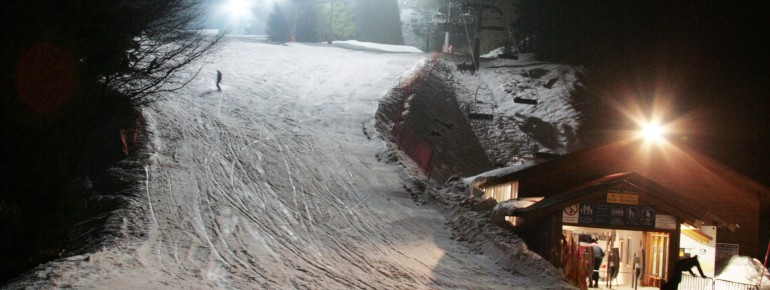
[747, 270]
[507, 249]
[374, 47]
[248, 37]
[207, 31]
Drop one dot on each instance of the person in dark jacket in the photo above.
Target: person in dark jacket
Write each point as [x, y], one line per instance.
[682, 265]
[598, 257]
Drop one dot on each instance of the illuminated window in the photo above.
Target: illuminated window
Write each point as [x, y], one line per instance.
[502, 192]
[657, 247]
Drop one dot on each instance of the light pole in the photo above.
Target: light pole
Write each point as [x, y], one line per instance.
[446, 25]
[480, 6]
[477, 40]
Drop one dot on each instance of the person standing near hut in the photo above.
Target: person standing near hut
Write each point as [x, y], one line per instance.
[598, 257]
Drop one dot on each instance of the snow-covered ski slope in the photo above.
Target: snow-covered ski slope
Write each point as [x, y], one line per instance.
[274, 183]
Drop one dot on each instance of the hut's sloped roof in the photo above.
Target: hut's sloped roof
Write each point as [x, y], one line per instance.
[704, 182]
[663, 197]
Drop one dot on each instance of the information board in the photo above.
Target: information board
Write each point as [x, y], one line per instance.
[621, 215]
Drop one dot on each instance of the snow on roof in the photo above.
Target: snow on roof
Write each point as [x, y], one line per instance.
[499, 172]
[517, 203]
[374, 47]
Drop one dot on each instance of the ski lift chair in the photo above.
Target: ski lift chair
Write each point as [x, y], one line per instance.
[439, 17]
[511, 50]
[510, 53]
[520, 100]
[468, 17]
[527, 100]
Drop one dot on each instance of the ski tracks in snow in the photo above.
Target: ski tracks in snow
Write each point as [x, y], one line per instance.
[271, 183]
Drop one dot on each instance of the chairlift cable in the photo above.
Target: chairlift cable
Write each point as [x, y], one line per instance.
[513, 42]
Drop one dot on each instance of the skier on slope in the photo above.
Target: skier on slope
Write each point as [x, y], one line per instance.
[219, 79]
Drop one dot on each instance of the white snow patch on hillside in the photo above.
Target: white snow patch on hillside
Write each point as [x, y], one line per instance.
[374, 47]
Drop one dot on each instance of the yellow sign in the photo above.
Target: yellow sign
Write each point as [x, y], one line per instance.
[622, 198]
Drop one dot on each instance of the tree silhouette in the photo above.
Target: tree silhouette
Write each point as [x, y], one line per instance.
[337, 16]
[72, 76]
[379, 21]
[278, 25]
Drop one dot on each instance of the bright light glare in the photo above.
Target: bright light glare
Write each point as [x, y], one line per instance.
[238, 9]
[652, 132]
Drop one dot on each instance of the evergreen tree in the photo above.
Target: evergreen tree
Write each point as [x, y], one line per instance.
[278, 25]
[306, 24]
[340, 20]
[379, 21]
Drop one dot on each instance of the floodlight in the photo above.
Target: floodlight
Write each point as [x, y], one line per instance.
[652, 132]
[238, 9]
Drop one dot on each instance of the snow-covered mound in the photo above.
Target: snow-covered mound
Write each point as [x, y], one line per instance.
[746, 270]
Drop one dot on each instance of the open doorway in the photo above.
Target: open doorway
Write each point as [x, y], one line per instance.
[656, 269]
[632, 259]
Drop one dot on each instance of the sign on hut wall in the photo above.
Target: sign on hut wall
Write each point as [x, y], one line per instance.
[607, 214]
[665, 222]
[622, 198]
[570, 214]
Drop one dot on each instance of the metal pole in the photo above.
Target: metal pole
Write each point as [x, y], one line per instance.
[446, 26]
[477, 43]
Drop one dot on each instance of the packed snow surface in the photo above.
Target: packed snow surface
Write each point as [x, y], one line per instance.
[273, 182]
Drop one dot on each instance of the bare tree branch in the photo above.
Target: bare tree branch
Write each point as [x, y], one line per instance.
[168, 42]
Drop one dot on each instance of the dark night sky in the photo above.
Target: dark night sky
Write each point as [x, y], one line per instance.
[732, 96]
[712, 57]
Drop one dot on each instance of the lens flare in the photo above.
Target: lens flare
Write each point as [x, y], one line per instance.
[652, 132]
[238, 9]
